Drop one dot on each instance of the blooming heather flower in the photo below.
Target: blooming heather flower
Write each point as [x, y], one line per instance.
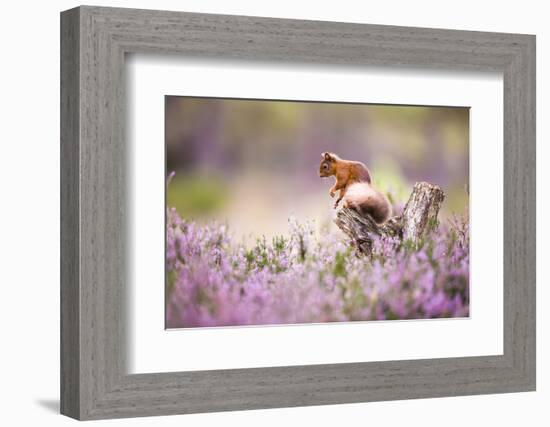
[213, 281]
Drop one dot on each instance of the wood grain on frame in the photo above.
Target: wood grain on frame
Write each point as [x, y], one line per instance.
[94, 233]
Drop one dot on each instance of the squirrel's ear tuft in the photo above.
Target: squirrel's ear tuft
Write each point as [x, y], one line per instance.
[327, 156]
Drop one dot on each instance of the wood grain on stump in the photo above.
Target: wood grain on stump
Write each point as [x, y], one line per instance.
[420, 213]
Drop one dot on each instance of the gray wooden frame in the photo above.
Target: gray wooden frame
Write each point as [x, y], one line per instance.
[94, 41]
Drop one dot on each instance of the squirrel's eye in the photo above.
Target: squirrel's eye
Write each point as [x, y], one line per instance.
[325, 166]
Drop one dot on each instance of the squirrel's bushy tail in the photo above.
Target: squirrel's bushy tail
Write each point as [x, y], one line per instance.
[366, 200]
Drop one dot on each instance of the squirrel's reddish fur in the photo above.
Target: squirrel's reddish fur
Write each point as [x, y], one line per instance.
[353, 180]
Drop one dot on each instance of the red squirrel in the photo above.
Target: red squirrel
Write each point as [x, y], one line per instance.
[353, 180]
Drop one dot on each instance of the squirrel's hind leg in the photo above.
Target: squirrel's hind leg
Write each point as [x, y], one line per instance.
[350, 205]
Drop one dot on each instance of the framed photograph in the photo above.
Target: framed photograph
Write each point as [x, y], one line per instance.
[250, 234]
[261, 213]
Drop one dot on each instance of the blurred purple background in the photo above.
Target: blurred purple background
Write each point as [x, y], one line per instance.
[254, 163]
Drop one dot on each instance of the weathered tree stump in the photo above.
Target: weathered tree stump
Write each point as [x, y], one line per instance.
[419, 214]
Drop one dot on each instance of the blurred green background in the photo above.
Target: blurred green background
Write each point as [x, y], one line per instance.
[254, 163]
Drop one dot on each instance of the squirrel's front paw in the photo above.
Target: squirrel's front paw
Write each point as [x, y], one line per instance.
[336, 203]
[331, 193]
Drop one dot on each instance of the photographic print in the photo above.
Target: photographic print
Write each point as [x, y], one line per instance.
[292, 212]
